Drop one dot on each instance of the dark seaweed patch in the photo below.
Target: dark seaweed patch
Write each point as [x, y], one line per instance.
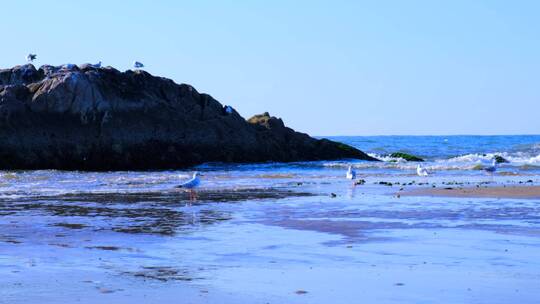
[107, 248]
[70, 225]
[162, 273]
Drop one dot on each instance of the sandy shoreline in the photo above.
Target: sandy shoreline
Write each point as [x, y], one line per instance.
[523, 192]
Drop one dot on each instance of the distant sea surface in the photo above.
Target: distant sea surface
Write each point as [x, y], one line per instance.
[460, 152]
[520, 147]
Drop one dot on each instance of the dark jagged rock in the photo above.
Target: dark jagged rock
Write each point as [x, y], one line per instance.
[298, 145]
[500, 160]
[89, 118]
[406, 156]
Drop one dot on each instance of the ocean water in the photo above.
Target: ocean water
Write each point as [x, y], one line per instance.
[279, 232]
[453, 152]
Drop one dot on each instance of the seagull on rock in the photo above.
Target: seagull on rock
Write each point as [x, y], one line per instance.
[191, 185]
[138, 65]
[351, 174]
[31, 57]
[421, 171]
[68, 67]
[97, 65]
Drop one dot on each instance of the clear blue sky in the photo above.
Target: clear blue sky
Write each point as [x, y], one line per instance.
[325, 67]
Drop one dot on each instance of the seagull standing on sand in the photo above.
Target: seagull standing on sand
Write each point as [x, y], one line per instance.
[351, 174]
[421, 171]
[138, 65]
[492, 168]
[31, 57]
[191, 185]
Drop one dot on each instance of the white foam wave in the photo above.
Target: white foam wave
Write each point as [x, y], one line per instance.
[387, 158]
[463, 162]
[518, 158]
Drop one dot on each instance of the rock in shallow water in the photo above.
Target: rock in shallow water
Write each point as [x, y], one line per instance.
[89, 118]
[406, 156]
[500, 160]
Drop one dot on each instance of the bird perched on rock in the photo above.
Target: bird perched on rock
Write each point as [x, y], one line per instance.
[351, 174]
[191, 185]
[138, 65]
[421, 171]
[31, 57]
[97, 65]
[68, 66]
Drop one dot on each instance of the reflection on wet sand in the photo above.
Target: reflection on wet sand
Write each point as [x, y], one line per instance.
[358, 224]
[147, 212]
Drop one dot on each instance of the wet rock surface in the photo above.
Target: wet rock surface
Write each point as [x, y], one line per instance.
[89, 118]
[406, 156]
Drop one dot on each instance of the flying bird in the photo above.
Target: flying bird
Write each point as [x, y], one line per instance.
[421, 171]
[138, 65]
[31, 57]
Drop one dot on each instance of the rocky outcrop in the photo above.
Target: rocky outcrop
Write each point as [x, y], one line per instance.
[500, 160]
[89, 118]
[406, 156]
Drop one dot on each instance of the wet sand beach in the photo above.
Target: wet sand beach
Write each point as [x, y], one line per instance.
[511, 191]
[131, 237]
[275, 233]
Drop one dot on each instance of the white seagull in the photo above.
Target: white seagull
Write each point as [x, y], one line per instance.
[421, 171]
[491, 168]
[191, 185]
[68, 66]
[97, 65]
[351, 174]
[31, 57]
[138, 65]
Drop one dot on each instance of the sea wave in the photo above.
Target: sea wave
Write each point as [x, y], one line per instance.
[517, 158]
[473, 161]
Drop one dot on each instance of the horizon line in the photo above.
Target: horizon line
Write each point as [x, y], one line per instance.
[431, 135]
